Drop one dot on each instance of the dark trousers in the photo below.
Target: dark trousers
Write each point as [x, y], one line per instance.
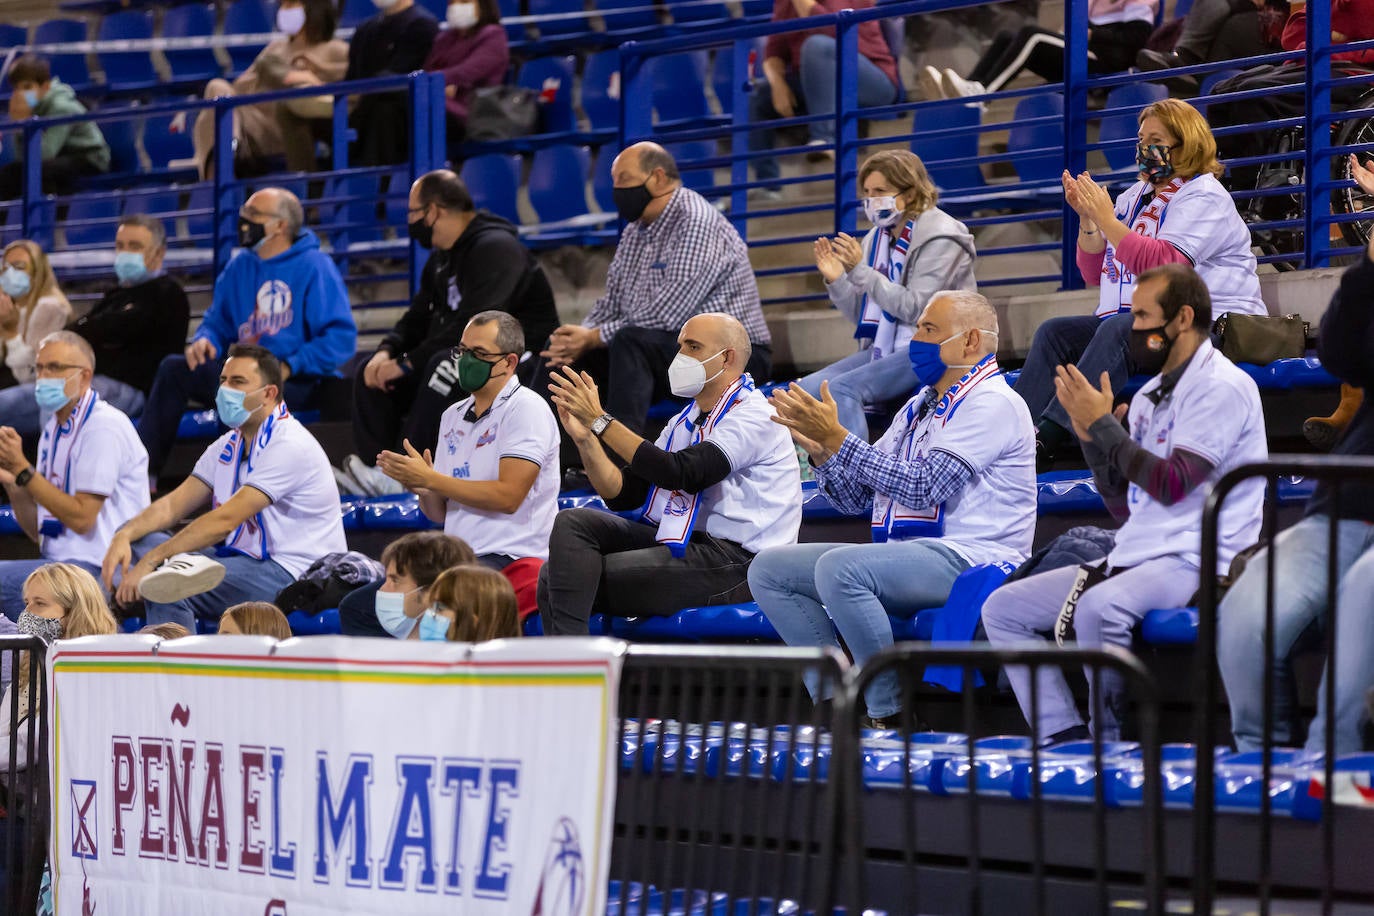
[59, 175]
[1216, 30]
[176, 385]
[602, 562]
[358, 609]
[382, 122]
[1112, 48]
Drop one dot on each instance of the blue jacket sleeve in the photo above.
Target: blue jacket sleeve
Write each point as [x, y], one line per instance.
[331, 336]
[217, 325]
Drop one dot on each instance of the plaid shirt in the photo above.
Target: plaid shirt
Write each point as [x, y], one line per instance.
[688, 261]
[858, 470]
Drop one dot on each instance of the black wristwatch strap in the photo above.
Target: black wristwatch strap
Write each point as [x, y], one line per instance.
[23, 477]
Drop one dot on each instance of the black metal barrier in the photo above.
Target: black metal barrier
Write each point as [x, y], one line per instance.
[723, 797]
[24, 802]
[1279, 862]
[928, 844]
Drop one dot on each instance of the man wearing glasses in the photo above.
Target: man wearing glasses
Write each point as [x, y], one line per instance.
[91, 476]
[478, 265]
[281, 293]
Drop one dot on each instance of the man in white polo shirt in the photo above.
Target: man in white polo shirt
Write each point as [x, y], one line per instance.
[720, 484]
[951, 483]
[273, 503]
[1195, 420]
[92, 471]
[493, 480]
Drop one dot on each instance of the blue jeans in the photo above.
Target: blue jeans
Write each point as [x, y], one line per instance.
[1095, 345]
[1107, 612]
[803, 587]
[858, 380]
[814, 76]
[12, 576]
[245, 579]
[20, 410]
[1300, 577]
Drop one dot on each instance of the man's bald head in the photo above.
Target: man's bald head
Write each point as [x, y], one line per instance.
[279, 203]
[717, 331]
[643, 158]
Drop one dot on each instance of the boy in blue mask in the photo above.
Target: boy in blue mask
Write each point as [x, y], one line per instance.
[69, 151]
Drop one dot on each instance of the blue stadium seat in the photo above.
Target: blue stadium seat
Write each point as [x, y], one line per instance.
[697, 13]
[325, 623]
[70, 68]
[882, 759]
[12, 35]
[552, 78]
[393, 513]
[127, 71]
[8, 523]
[201, 225]
[1170, 627]
[701, 179]
[204, 424]
[245, 17]
[636, 17]
[493, 179]
[192, 65]
[163, 144]
[1208, 86]
[355, 209]
[90, 221]
[717, 623]
[555, 28]
[1038, 167]
[122, 138]
[1354, 772]
[154, 202]
[1066, 492]
[602, 184]
[601, 90]
[1287, 374]
[953, 170]
[1125, 125]
[355, 11]
[996, 767]
[678, 87]
[1240, 780]
[509, 10]
[557, 182]
[918, 627]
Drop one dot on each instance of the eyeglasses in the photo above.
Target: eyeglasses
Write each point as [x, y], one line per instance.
[478, 352]
[54, 368]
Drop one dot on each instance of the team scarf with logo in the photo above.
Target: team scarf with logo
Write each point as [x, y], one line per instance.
[874, 323]
[55, 455]
[673, 511]
[1147, 219]
[251, 529]
[892, 521]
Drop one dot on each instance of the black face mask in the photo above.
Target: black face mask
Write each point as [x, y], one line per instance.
[251, 233]
[1149, 349]
[630, 202]
[421, 233]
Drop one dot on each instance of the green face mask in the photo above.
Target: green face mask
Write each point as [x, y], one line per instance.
[473, 373]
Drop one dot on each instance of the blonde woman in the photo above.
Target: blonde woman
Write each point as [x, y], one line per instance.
[255, 618]
[31, 307]
[469, 603]
[61, 601]
[883, 283]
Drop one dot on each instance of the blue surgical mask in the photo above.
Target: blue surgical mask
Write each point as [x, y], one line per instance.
[926, 361]
[391, 613]
[14, 282]
[129, 266]
[51, 393]
[433, 627]
[31, 98]
[229, 406]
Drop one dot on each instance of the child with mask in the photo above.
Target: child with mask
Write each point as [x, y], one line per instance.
[32, 306]
[469, 603]
[68, 152]
[913, 251]
[471, 53]
[391, 607]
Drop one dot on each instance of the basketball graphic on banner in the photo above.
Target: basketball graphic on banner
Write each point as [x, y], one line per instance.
[563, 886]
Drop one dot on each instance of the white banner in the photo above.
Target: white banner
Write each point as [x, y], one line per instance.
[332, 775]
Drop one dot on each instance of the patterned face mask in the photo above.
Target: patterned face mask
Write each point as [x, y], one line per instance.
[45, 628]
[1152, 160]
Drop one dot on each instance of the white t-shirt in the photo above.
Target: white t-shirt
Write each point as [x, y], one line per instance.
[1198, 218]
[758, 505]
[987, 426]
[1215, 412]
[303, 521]
[96, 451]
[519, 424]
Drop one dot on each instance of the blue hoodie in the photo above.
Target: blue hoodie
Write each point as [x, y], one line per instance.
[294, 304]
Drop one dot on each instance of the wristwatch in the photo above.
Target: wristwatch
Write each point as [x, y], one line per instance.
[601, 424]
[23, 477]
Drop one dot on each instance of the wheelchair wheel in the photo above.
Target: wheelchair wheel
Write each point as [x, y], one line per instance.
[1279, 207]
[1359, 131]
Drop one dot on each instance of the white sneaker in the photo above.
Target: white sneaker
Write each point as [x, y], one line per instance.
[346, 484]
[181, 576]
[957, 87]
[815, 152]
[371, 481]
[931, 87]
[765, 195]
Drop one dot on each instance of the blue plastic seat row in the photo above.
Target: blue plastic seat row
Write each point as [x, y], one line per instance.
[8, 523]
[204, 424]
[1280, 375]
[1072, 492]
[650, 901]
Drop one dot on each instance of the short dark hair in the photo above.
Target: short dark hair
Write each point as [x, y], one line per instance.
[422, 555]
[488, 13]
[321, 19]
[268, 365]
[1182, 286]
[656, 157]
[444, 188]
[151, 223]
[510, 336]
[30, 69]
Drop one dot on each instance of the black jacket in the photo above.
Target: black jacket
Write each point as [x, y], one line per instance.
[487, 268]
[133, 327]
[1346, 348]
[391, 44]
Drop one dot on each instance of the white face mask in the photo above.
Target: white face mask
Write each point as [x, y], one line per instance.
[290, 20]
[687, 376]
[384, 4]
[882, 211]
[462, 15]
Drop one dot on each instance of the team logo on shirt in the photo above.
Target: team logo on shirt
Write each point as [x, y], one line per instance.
[226, 454]
[487, 438]
[452, 438]
[462, 472]
[454, 297]
[677, 504]
[271, 313]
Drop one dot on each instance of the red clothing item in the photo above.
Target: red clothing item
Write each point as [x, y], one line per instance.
[469, 59]
[1352, 18]
[787, 46]
[1137, 252]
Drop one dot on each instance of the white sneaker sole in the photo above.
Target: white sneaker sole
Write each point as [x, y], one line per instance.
[167, 587]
